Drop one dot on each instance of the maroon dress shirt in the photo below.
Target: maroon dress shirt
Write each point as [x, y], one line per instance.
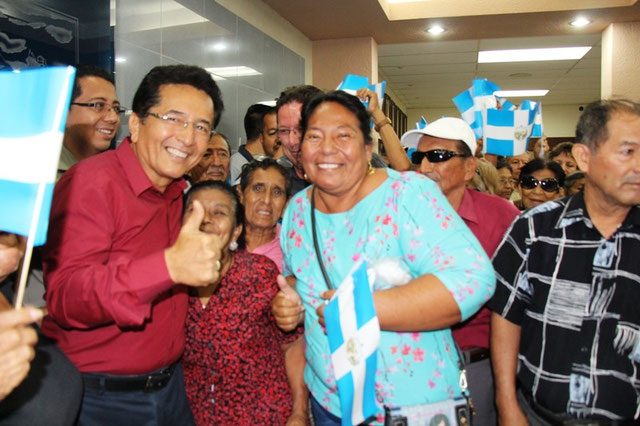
[488, 216]
[113, 307]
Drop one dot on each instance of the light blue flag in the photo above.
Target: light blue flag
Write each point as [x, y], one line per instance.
[474, 102]
[537, 121]
[421, 124]
[354, 335]
[464, 103]
[507, 132]
[352, 83]
[33, 113]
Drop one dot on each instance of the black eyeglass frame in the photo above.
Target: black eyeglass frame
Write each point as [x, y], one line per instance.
[434, 156]
[118, 109]
[546, 184]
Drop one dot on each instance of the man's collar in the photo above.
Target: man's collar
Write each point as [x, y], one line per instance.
[467, 209]
[575, 210]
[136, 175]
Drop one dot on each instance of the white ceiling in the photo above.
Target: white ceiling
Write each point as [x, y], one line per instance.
[428, 75]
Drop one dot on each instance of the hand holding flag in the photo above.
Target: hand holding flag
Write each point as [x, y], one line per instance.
[352, 83]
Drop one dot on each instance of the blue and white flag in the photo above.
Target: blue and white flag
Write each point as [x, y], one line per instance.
[474, 102]
[507, 132]
[352, 83]
[537, 120]
[421, 124]
[33, 113]
[354, 335]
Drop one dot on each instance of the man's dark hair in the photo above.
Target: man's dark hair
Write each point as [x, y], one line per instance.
[561, 148]
[249, 169]
[540, 164]
[224, 138]
[89, 71]
[348, 101]
[502, 164]
[238, 209]
[573, 178]
[297, 94]
[254, 120]
[148, 93]
[592, 125]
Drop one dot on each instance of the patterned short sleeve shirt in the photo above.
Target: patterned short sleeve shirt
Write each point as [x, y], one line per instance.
[576, 296]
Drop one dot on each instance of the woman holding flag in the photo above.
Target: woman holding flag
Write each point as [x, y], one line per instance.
[434, 271]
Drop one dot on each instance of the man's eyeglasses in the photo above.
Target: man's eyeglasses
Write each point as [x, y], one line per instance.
[102, 107]
[203, 129]
[434, 156]
[284, 133]
[547, 185]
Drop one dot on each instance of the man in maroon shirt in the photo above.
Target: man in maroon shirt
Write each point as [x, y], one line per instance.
[116, 261]
[444, 154]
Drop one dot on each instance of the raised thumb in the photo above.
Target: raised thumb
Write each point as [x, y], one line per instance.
[195, 217]
[289, 292]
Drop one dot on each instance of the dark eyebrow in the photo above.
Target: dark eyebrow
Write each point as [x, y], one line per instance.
[176, 112]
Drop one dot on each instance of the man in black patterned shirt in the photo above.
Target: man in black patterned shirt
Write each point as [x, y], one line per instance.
[565, 338]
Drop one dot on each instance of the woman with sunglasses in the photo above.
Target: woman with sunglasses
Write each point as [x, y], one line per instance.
[540, 181]
[401, 220]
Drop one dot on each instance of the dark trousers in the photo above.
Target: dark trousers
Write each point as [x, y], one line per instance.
[480, 381]
[51, 393]
[167, 406]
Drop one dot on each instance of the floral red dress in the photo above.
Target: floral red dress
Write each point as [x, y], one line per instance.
[233, 362]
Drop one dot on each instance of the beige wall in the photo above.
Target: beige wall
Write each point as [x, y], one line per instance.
[559, 120]
[621, 61]
[333, 59]
[261, 16]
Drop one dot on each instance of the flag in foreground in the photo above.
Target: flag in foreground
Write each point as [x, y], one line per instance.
[352, 83]
[33, 113]
[507, 132]
[354, 334]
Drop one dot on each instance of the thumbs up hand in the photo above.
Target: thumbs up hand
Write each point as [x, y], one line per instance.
[194, 259]
[287, 306]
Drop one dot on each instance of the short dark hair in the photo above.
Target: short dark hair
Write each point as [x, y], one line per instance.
[268, 163]
[561, 148]
[224, 138]
[148, 93]
[254, 120]
[540, 164]
[350, 102]
[297, 94]
[573, 178]
[207, 185]
[89, 71]
[592, 125]
[502, 164]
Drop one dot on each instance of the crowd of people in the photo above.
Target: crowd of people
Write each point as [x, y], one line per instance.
[185, 283]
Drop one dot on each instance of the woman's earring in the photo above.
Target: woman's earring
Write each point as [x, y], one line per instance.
[305, 177]
[370, 170]
[233, 246]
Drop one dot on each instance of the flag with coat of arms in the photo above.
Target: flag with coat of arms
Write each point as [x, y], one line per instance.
[33, 114]
[353, 332]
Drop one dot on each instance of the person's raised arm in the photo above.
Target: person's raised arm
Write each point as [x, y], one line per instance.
[392, 146]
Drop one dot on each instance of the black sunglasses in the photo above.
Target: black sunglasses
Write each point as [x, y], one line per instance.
[547, 185]
[434, 156]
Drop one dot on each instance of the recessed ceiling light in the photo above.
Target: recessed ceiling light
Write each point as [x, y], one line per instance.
[520, 93]
[436, 29]
[527, 55]
[580, 22]
[120, 59]
[520, 75]
[219, 47]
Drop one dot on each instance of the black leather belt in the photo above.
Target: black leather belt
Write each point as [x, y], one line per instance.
[475, 354]
[146, 382]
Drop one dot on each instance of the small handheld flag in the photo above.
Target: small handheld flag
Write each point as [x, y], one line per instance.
[354, 334]
[421, 124]
[352, 83]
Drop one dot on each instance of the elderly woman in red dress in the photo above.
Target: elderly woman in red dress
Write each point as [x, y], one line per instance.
[236, 361]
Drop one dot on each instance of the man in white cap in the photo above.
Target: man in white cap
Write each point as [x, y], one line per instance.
[444, 153]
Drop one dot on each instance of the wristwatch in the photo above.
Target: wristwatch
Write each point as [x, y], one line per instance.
[380, 124]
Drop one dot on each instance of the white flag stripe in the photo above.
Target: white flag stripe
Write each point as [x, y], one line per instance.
[368, 336]
[29, 160]
[359, 374]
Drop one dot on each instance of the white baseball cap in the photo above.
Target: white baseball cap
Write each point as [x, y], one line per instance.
[445, 128]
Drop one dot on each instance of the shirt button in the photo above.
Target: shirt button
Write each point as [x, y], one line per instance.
[584, 349]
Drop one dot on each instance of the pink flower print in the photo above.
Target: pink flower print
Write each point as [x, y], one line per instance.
[445, 225]
[301, 223]
[378, 230]
[441, 363]
[299, 270]
[292, 233]
[360, 242]
[378, 218]
[396, 185]
[437, 373]
[432, 384]
[380, 418]
[415, 336]
[395, 230]
[417, 232]
[355, 257]
[398, 360]
[394, 350]
[411, 257]
[298, 242]
[392, 369]
[406, 349]
[387, 219]
[418, 355]
[414, 244]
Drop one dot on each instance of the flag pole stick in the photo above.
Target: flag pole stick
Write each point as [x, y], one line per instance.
[28, 252]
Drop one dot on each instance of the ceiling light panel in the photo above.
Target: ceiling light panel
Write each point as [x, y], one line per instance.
[529, 55]
[521, 93]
